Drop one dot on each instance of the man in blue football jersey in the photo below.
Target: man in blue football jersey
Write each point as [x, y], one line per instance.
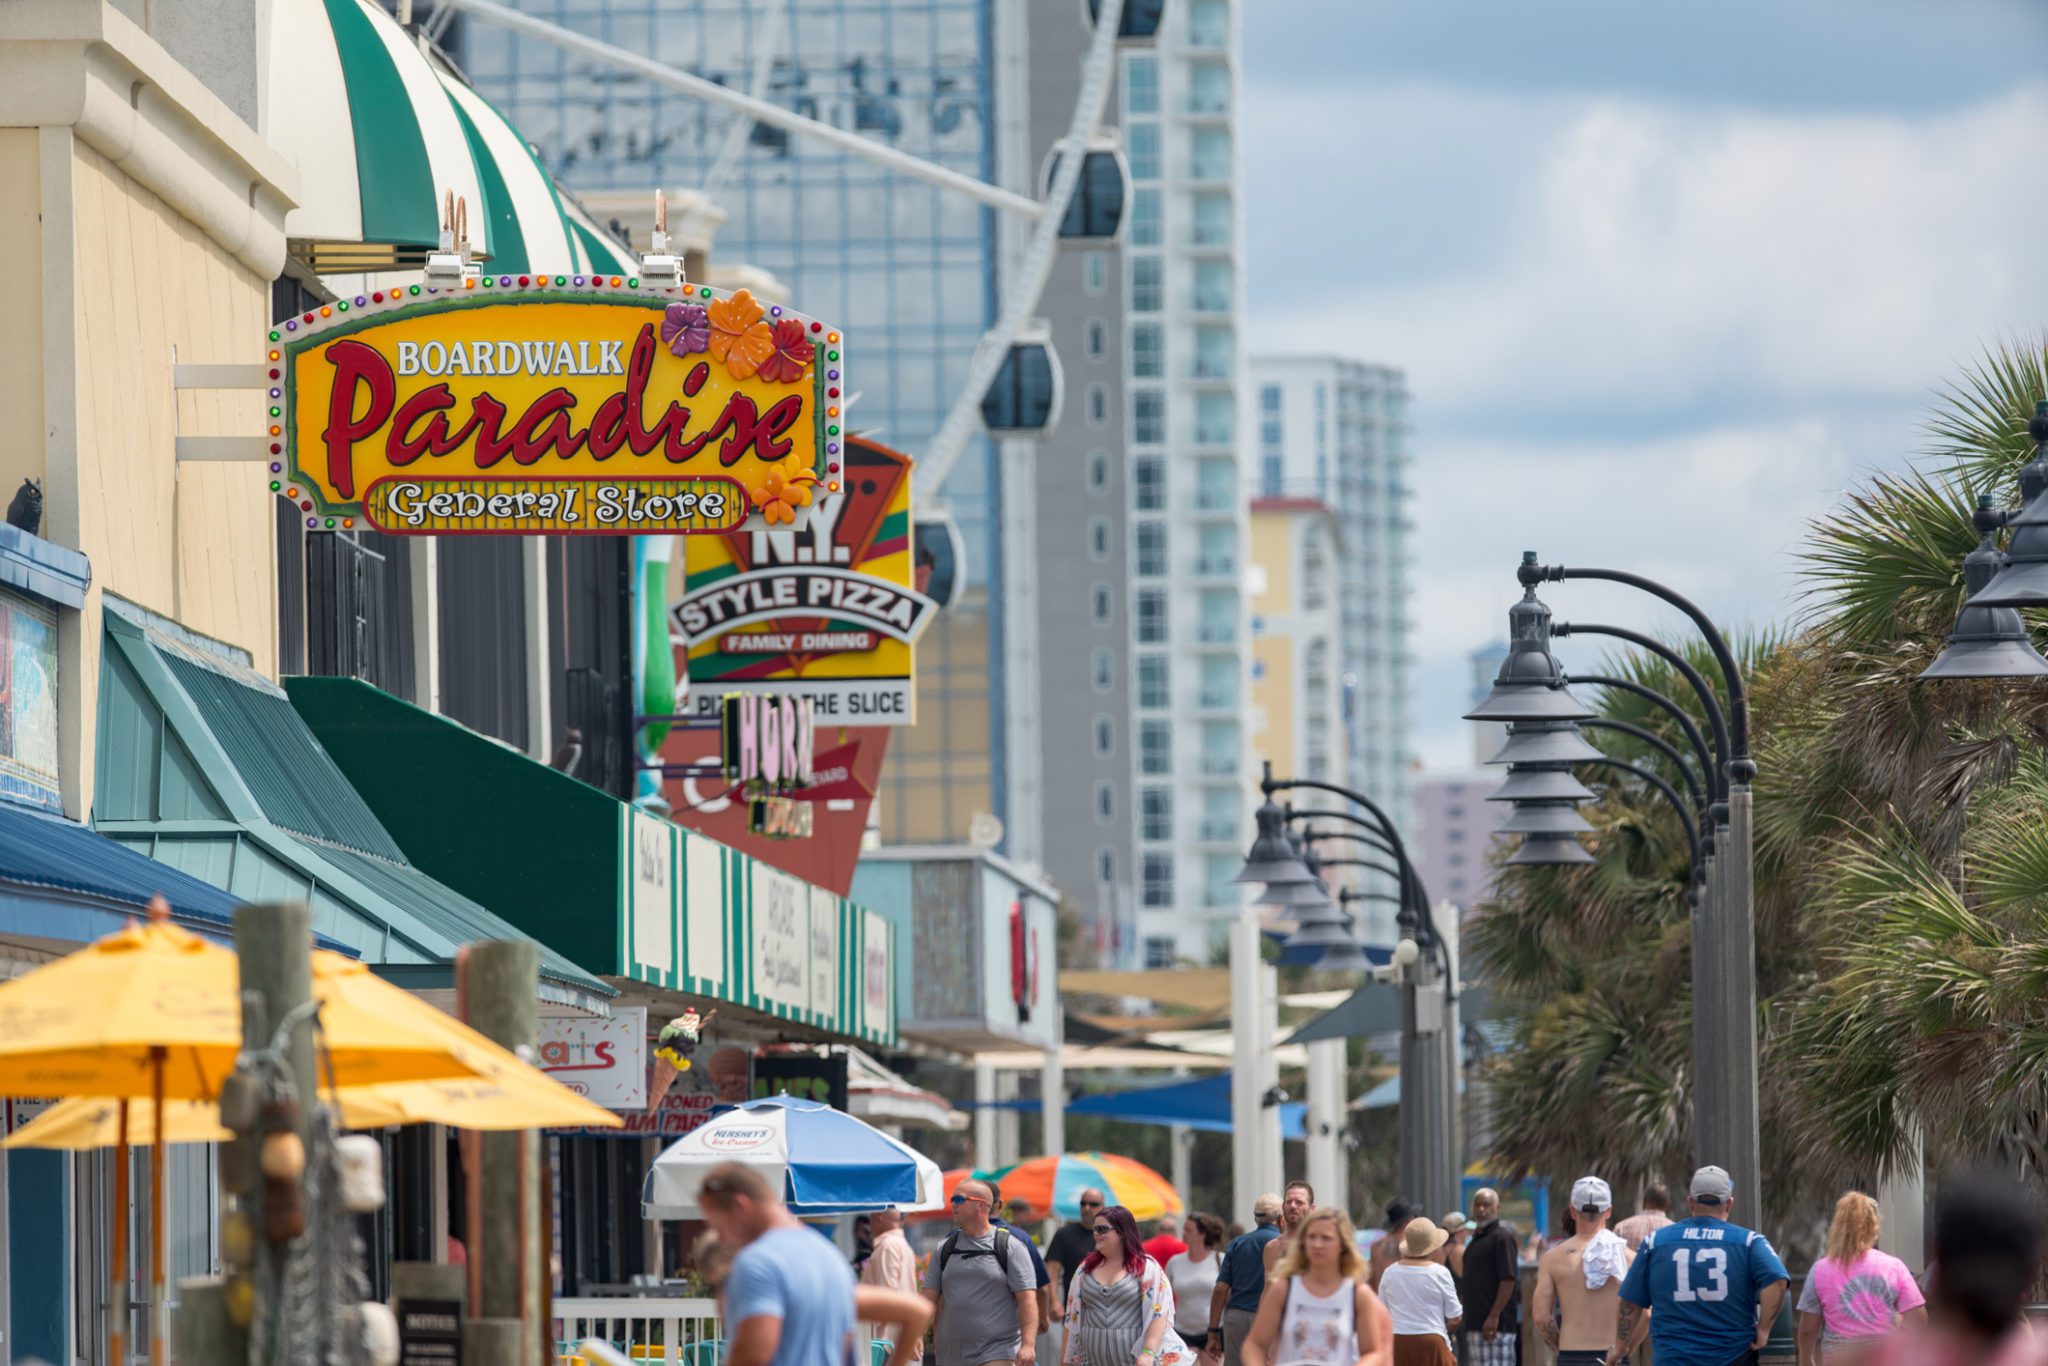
[1712, 1289]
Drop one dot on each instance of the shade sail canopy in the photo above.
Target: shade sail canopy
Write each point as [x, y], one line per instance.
[1202, 1104]
[382, 130]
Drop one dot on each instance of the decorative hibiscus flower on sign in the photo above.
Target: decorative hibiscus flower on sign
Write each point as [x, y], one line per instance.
[793, 354]
[686, 329]
[783, 493]
[740, 336]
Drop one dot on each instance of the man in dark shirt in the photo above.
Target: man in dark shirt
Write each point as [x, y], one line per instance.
[1489, 1288]
[1240, 1281]
[1038, 1268]
[1069, 1247]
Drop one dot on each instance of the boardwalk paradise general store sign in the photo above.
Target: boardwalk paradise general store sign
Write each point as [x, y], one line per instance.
[553, 405]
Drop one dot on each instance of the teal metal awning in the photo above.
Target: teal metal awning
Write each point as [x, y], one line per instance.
[204, 765]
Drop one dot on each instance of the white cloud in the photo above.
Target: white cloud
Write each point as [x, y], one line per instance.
[1646, 254]
[1768, 297]
[1716, 515]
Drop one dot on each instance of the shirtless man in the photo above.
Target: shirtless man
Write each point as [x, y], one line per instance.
[1581, 1276]
[1295, 1203]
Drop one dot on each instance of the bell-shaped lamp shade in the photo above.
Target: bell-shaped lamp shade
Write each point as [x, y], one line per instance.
[1530, 685]
[1345, 957]
[1541, 783]
[1293, 896]
[1550, 850]
[1272, 858]
[1304, 916]
[1987, 642]
[1544, 818]
[1544, 742]
[2023, 582]
[1317, 937]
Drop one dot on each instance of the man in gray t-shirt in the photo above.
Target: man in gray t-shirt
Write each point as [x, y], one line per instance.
[987, 1313]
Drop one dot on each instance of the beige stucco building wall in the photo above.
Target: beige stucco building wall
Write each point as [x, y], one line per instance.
[1296, 717]
[141, 223]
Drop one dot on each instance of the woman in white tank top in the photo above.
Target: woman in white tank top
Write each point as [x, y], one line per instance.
[1318, 1310]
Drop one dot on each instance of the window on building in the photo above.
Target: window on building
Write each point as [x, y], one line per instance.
[1098, 538]
[1155, 747]
[1158, 880]
[1148, 417]
[1155, 813]
[1455, 860]
[1098, 471]
[1209, 154]
[1272, 474]
[1208, 88]
[1141, 85]
[1160, 948]
[1096, 338]
[1105, 735]
[1099, 603]
[1454, 813]
[1098, 405]
[1105, 865]
[1148, 284]
[1095, 272]
[1208, 24]
[1213, 286]
[1453, 835]
[1148, 351]
[1152, 682]
[1151, 616]
[1143, 151]
[1102, 669]
[1269, 398]
[1315, 574]
[1148, 483]
[1105, 802]
[1151, 548]
[1146, 229]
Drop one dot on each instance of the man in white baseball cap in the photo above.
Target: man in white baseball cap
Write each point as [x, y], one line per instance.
[1580, 1279]
[1712, 1287]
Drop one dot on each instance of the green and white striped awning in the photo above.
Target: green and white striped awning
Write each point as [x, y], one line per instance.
[382, 130]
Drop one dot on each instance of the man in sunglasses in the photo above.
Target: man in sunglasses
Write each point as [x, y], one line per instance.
[982, 1288]
[1069, 1248]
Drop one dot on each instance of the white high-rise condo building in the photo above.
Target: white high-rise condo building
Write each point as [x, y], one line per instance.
[1336, 431]
[1184, 369]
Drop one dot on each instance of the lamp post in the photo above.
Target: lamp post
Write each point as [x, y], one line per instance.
[1430, 1144]
[1724, 938]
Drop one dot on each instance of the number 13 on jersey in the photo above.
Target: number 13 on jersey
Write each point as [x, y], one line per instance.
[1702, 1273]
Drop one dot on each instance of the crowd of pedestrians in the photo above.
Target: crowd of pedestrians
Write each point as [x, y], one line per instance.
[1302, 1288]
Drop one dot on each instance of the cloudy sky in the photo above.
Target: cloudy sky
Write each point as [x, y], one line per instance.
[1664, 279]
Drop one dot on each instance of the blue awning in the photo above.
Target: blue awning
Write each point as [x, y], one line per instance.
[62, 881]
[1203, 1104]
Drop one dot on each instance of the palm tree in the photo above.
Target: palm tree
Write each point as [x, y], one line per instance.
[1902, 873]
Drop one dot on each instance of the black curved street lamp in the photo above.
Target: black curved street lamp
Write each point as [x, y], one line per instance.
[1430, 1141]
[1724, 930]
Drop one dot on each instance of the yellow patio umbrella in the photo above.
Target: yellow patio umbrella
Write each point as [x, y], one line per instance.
[153, 1012]
[513, 1101]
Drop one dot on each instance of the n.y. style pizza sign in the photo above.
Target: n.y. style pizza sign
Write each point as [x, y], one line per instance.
[538, 405]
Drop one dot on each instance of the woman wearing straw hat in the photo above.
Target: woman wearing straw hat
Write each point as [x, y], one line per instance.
[1422, 1298]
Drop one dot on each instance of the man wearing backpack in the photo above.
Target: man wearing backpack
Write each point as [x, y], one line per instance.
[982, 1288]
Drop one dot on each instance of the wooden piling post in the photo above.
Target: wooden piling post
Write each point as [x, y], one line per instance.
[501, 987]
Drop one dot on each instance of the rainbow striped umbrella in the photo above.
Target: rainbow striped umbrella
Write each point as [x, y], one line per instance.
[1056, 1183]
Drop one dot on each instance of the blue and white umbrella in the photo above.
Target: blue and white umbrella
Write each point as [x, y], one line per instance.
[823, 1160]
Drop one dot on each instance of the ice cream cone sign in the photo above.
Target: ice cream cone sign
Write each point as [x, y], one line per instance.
[674, 1046]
